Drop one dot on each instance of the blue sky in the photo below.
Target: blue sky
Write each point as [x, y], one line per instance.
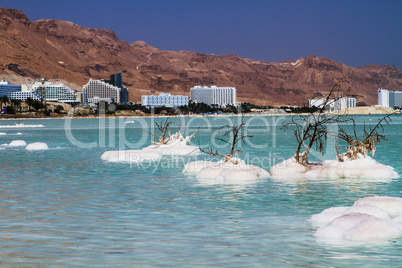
[354, 32]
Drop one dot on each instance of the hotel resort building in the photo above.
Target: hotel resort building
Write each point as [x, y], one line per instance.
[221, 96]
[164, 100]
[47, 91]
[6, 89]
[106, 90]
[387, 98]
[336, 104]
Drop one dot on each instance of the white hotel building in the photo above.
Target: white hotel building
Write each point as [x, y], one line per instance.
[48, 92]
[221, 96]
[336, 104]
[387, 98]
[101, 90]
[164, 100]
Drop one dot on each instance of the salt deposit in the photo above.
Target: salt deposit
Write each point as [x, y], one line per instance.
[21, 126]
[233, 171]
[175, 145]
[365, 167]
[37, 146]
[17, 143]
[173, 149]
[327, 216]
[392, 205]
[131, 156]
[370, 218]
[196, 166]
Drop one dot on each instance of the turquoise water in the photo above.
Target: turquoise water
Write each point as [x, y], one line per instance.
[66, 207]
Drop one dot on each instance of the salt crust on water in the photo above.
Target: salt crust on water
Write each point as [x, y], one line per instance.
[37, 146]
[177, 145]
[234, 171]
[370, 218]
[364, 167]
[20, 126]
[173, 149]
[131, 156]
[16, 143]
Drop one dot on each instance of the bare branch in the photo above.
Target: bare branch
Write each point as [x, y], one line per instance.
[237, 136]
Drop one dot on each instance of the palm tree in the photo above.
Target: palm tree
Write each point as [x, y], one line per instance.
[29, 101]
[16, 103]
[4, 99]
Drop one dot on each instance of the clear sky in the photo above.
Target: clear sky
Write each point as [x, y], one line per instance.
[354, 32]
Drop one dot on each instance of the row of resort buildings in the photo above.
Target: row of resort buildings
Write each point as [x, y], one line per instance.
[335, 104]
[386, 98]
[112, 91]
[94, 91]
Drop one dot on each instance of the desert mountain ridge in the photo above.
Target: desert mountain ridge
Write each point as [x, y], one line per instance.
[62, 50]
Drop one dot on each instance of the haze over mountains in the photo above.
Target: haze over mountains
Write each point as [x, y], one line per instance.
[64, 50]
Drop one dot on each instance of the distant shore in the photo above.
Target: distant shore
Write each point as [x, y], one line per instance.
[349, 111]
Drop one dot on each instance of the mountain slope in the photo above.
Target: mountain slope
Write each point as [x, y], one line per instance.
[64, 50]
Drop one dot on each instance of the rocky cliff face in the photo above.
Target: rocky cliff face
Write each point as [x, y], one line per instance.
[64, 50]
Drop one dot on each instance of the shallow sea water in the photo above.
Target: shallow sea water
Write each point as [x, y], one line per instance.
[66, 207]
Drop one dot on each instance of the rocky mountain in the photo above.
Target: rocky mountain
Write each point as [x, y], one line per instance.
[62, 50]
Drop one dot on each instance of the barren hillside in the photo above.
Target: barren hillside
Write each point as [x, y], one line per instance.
[63, 50]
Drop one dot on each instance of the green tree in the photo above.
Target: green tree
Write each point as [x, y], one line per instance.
[58, 109]
[37, 105]
[4, 99]
[29, 101]
[15, 103]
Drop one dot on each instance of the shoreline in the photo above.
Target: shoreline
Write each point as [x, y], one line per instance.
[174, 116]
[349, 111]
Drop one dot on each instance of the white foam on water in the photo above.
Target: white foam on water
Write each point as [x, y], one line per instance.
[36, 146]
[17, 143]
[369, 219]
[3, 134]
[131, 156]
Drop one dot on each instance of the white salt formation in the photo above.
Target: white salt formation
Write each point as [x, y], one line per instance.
[131, 156]
[176, 144]
[232, 171]
[37, 146]
[370, 218]
[20, 125]
[17, 143]
[363, 167]
[173, 145]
